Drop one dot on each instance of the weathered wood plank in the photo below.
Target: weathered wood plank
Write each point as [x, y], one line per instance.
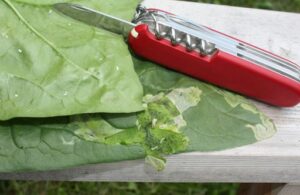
[273, 160]
[289, 189]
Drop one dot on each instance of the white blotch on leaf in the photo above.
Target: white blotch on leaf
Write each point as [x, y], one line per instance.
[263, 130]
[86, 133]
[16, 95]
[232, 99]
[150, 98]
[70, 142]
[180, 99]
[66, 93]
[180, 121]
[249, 108]
[20, 50]
[50, 11]
[184, 98]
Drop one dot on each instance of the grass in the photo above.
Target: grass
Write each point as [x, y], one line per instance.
[112, 188]
[280, 5]
[98, 188]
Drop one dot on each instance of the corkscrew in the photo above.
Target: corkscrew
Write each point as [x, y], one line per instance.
[207, 41]
[163, 30]
[201, 52]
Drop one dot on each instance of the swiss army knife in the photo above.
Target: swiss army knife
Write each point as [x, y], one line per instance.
[201, 52]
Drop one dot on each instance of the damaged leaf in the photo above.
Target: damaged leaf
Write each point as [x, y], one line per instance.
[180, 113]
[215, 119]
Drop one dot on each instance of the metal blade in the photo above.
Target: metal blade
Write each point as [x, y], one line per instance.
[95, 18]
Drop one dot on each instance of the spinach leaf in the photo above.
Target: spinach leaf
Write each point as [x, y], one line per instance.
[51, 65]
[56, 143]
[219, 120]
[182, 114]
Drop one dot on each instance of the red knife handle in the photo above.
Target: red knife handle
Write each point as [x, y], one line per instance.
[221, 69]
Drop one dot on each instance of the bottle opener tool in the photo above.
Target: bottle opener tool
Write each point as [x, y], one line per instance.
[201, 52]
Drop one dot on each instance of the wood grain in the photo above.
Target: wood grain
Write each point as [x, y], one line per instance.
[273, 160]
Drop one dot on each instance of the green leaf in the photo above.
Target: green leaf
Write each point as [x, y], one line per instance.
[183, 115]
[54, 143]
[180, 114]
[51, 65]
[214, 118]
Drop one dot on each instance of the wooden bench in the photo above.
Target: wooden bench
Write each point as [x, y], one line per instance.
[276, 160]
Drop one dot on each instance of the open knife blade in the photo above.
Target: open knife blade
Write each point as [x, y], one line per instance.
[95, 18]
